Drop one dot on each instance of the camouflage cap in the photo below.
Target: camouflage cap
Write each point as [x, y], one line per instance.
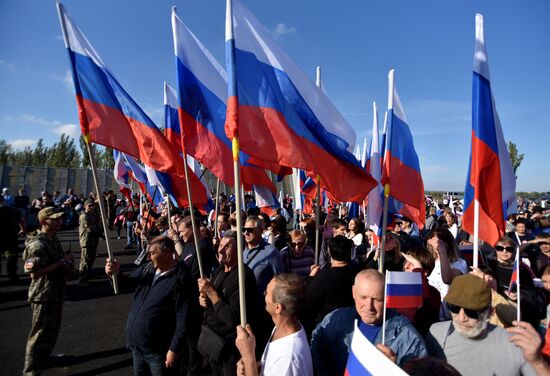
[50, 213]
[89, 202]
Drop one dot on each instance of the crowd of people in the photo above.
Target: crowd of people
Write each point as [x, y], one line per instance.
[301, 305]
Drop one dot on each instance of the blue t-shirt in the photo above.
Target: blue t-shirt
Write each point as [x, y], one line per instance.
[369, 331]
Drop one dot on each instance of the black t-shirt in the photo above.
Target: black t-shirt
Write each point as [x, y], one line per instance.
[9, 228]
[22, 202]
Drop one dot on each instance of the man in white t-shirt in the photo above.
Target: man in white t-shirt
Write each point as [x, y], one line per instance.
[287, 352]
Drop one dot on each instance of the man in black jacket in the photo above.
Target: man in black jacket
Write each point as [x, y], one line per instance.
[157, 325]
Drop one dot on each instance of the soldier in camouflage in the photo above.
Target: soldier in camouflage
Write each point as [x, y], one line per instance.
[90, 231]
[49, 268]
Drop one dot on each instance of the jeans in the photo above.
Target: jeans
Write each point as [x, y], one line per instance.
[130, 236]
[148, 363]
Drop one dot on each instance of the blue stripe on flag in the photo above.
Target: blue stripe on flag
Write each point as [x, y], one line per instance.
[404, 290]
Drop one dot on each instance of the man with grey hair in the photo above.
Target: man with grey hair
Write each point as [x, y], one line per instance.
[331, 339]
[287, 351]
[473, 346]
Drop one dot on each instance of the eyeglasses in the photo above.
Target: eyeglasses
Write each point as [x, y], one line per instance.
[500, 248]
[246, 230]
[471, 313]
[299, 244]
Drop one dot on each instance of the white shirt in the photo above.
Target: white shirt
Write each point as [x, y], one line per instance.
[287, 356]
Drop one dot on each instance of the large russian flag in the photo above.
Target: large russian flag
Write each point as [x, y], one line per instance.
[403, 289]
[281, 117]
[175, 185]
[202, 88]
[401, 169]
[108, 115]
[365, 359]
[490, 180]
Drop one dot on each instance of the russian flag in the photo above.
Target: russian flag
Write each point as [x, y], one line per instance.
[296, 191]
[266, 200]
[202, 88]
[281, 117]
[376, 196]
[120, 172]
[467, 253]
[365, 359]
[108, 115]
[175, 185]
[403, 290]
[490, 180]
[401, 169]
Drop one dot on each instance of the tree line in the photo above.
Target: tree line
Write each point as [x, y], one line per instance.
[63, 153]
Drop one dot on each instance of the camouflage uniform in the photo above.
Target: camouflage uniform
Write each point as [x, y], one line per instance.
[46, 298]
[89, 232]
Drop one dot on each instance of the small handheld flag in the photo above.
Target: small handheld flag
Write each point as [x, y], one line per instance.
[403, 290]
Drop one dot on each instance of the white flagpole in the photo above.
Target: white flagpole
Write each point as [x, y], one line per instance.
[382, 257]
[229, 36]
[476, 233]
[518, 261]
[318, 193]
[384, 314]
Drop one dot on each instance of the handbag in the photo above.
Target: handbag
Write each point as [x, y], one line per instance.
[210, 343]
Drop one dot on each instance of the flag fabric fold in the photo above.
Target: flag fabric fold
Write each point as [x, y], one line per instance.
[107, 114]
[375, 196]
[201, 107]
[490, 180]
[281, 117]
[365, 359]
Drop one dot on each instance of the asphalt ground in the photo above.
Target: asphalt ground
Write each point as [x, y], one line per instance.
[92, 337]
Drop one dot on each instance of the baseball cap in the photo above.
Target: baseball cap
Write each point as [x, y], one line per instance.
[89, 202]
[50, 213]
[470, 292]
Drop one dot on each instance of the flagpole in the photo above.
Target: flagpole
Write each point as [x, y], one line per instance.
[318, 192]
[384, 314]
[231, 61]
[518, 265]
[216, 207]
[476, 233]
[101, 210]
[382, 257]
[83, 124]
[169, 211]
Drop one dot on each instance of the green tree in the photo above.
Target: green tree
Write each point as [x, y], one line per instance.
[515, 156]
[40, 154]
[64, 153]
[107, 159]
[5, 152]
[85, 156]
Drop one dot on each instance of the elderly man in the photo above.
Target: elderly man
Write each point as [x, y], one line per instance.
[157, 324]
[473, 346]
[287, 352]
[331, 339]
[220, 298]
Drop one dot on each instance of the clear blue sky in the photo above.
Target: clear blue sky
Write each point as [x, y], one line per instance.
[429, 43]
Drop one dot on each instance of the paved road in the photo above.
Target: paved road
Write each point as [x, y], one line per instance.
[92, 329]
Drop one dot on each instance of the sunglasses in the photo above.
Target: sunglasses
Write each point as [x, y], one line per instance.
[500, 248]
[543, 243]
[471, 313]
[299, 244]
[247, 230]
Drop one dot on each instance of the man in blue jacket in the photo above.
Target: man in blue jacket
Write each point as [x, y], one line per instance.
[157, 323]
[331, 339]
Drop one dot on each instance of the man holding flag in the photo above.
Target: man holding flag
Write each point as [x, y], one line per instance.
[330, 342]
